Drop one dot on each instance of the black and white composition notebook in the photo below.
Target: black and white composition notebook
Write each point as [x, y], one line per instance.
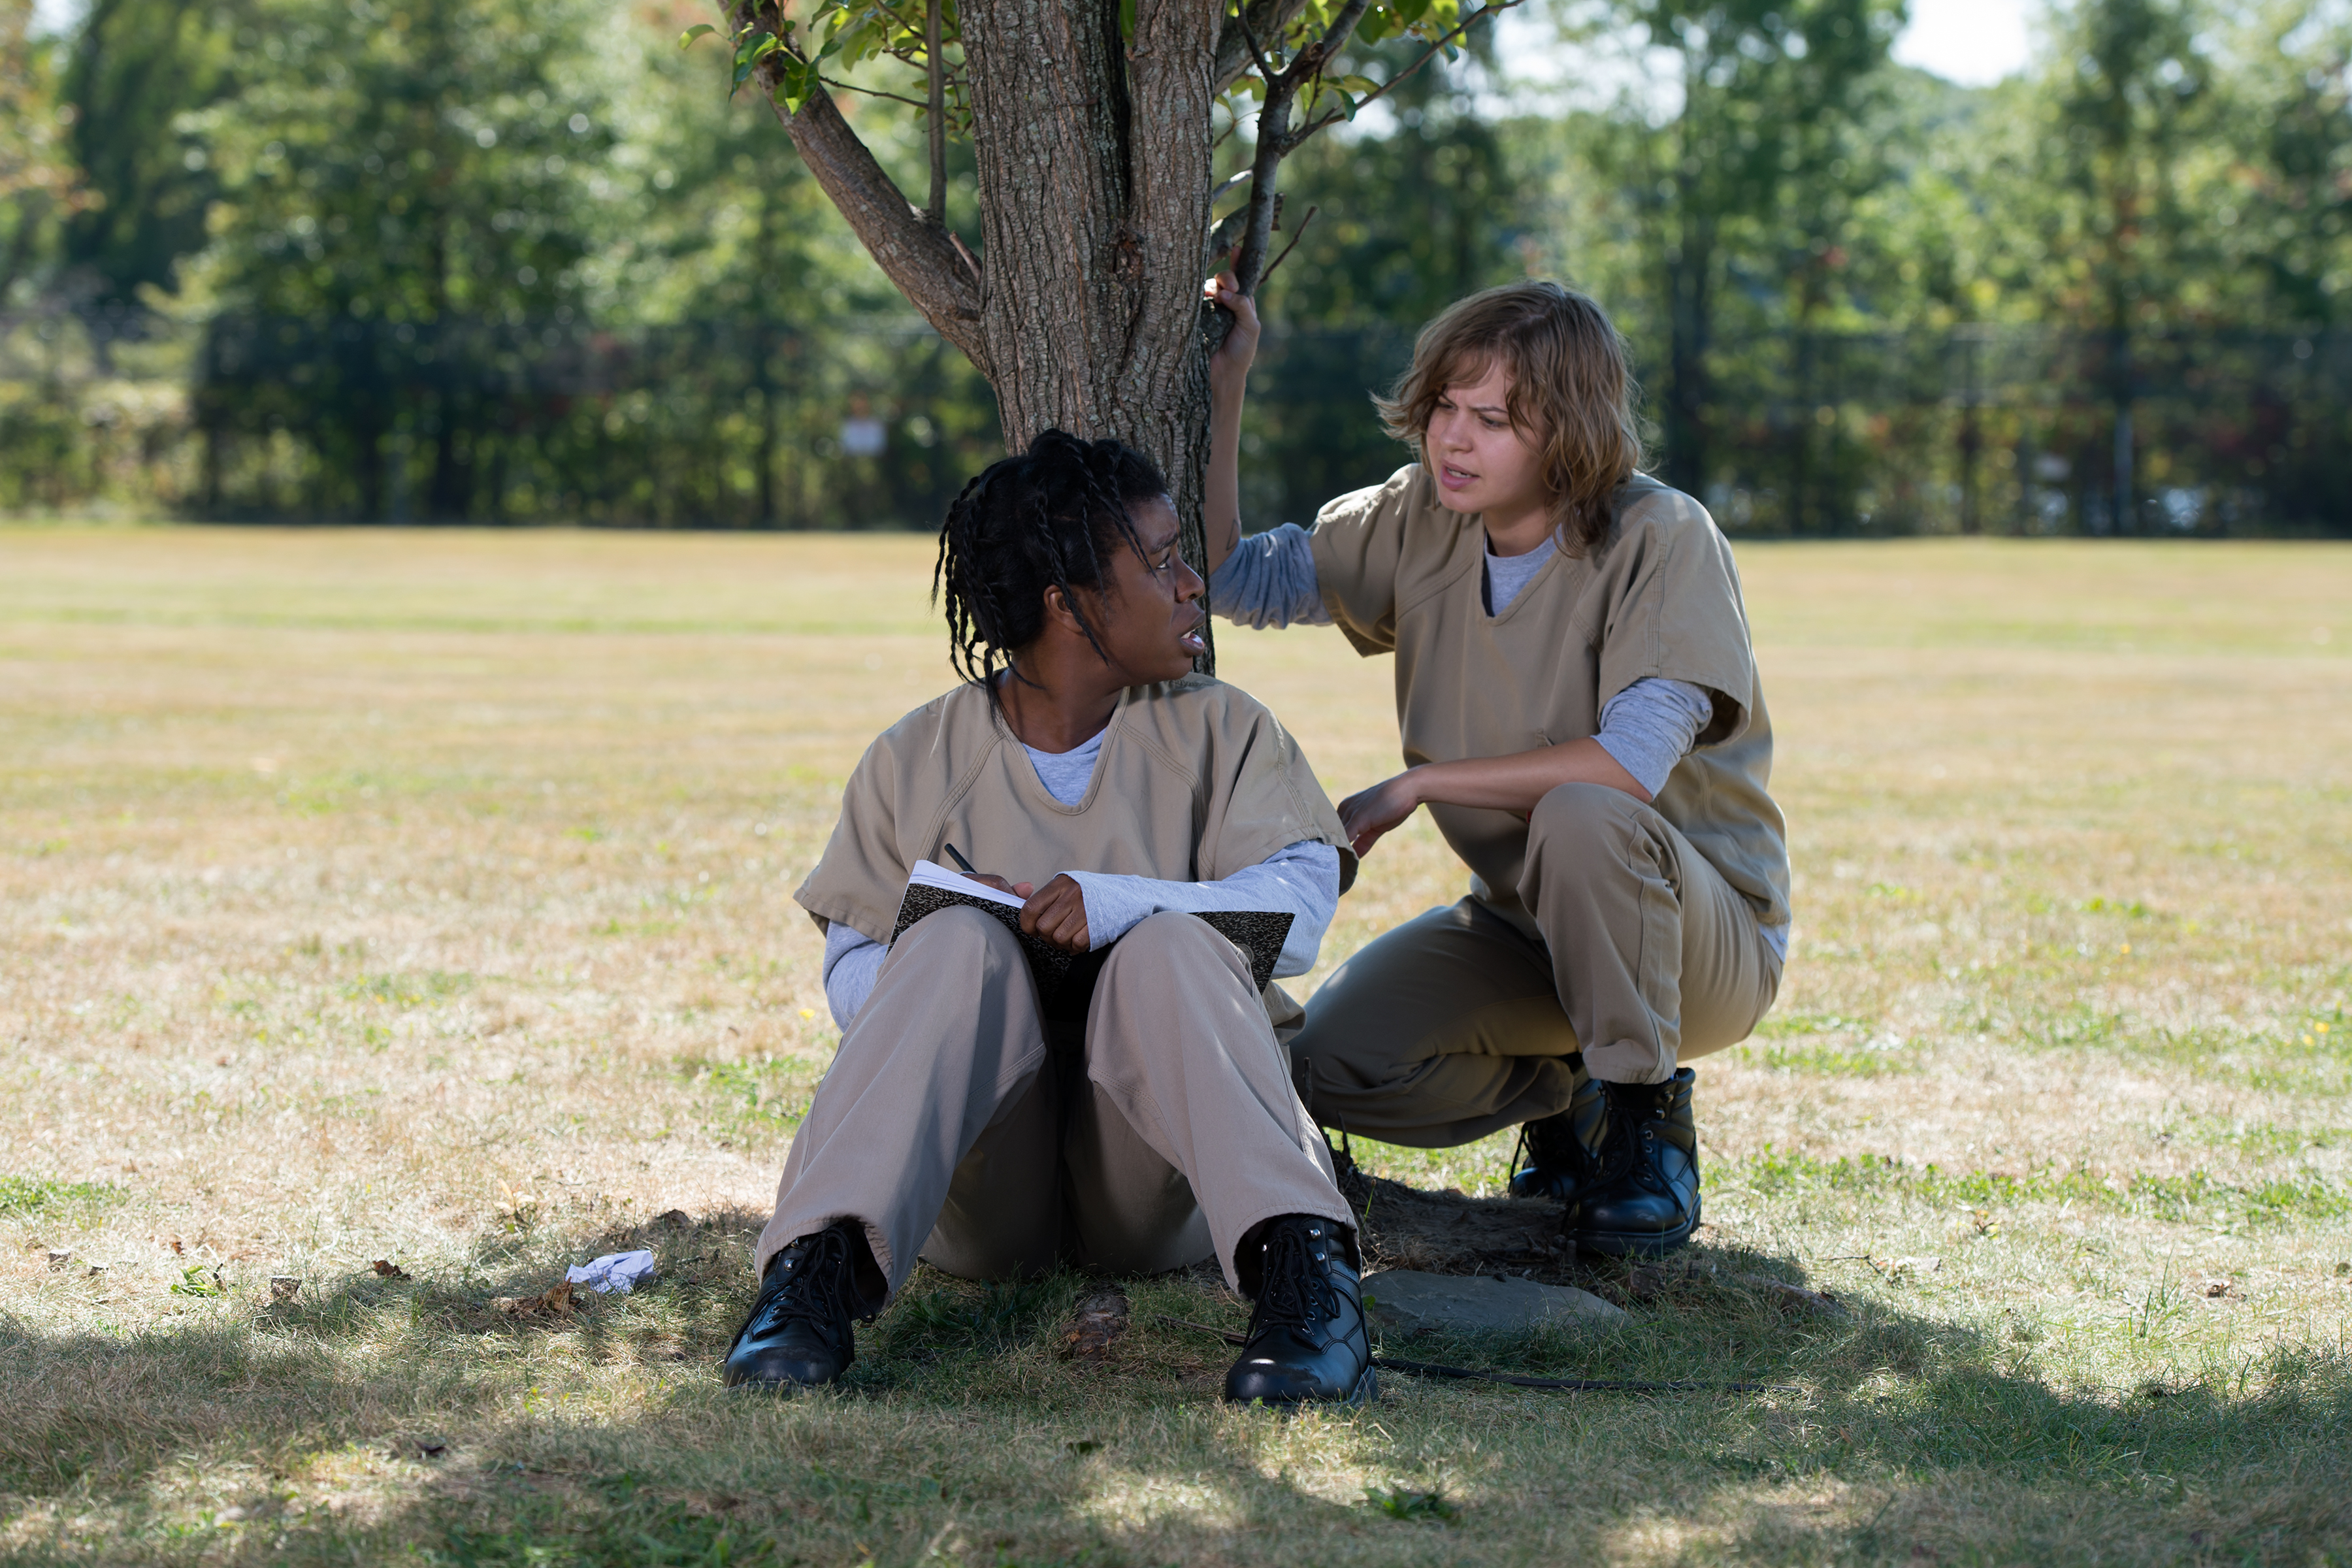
[1259, 933]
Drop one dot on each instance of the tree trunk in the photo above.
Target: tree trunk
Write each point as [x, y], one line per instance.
[1690, 317]
[1094, 208]
[1083, 309]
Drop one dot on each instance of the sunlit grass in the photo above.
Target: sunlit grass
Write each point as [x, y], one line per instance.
[424, 896]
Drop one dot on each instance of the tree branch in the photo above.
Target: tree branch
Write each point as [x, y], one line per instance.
[1343, 28]
[1267, 19]
[840, 86]
[1275, 137]
[1273, 142]
[936, 69]
[1320, 121]
[916, 254]
[1297, 235]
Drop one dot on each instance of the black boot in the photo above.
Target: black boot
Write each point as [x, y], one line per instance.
[798, 1334]
[1559, 1147]
[1307, 1337]
[1643, 1198]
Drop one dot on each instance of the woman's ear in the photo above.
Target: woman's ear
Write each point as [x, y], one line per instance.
[1058, 610]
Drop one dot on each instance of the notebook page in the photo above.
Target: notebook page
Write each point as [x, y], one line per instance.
[931, 874]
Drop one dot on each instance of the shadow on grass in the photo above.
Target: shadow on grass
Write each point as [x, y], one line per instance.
[411, 1419]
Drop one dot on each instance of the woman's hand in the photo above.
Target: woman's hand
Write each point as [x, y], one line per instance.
[1228, 366]
[1369, 815]
[1058, 913]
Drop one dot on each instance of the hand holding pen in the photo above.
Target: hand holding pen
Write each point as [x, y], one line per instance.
[1056, 911]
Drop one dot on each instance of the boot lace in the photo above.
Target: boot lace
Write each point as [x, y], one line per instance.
[1631, 1107]
[1293, 1288]
[810, 1293]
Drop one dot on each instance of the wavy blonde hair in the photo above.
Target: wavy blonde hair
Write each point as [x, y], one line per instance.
[1570, 389]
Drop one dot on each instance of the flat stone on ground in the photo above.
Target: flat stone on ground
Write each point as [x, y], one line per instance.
[1408, 1298]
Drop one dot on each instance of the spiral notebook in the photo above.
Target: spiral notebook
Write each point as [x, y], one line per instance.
[1259, 933]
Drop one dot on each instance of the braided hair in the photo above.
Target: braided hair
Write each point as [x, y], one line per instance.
[1055, 516]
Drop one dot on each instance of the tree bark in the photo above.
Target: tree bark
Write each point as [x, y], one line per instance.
[1094, 169]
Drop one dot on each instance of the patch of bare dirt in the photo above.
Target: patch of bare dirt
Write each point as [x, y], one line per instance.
[1449, 1232]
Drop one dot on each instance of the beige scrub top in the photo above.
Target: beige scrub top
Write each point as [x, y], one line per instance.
[1660, 596]
[1196, 781]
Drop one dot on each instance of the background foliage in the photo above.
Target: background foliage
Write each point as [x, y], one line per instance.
[475, 261]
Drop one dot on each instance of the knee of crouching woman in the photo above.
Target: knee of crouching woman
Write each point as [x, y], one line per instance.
[1573, 814]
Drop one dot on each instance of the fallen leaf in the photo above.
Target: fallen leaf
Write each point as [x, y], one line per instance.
[1095, 1326]
[388, 1269]
[555, 1301]
[284, 1287]
[2220, 1288]
[59, 1259]
[177, 1250]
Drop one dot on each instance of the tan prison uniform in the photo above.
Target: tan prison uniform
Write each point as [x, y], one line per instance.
[1631, 928]
[1165, 1126]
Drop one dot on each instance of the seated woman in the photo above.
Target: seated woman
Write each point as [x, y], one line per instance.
[1154, 1126]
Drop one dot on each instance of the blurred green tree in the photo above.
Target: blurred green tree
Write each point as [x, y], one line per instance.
[137, 69]
[1753, 130]
[2124, 105]
[38, 182]
[1389, 223]
[1414, 209]
[2283, 211]
[415, 170]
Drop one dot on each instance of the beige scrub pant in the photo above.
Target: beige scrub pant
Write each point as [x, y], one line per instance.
[1167, 1128]
[1458, 1023]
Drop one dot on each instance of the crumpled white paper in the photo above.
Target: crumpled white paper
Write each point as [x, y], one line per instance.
[619, 1272]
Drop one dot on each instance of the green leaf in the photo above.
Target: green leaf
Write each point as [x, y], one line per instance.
[749, 55]
[797, 81]
[197, 1280]
[686, 39]
[1376, 26]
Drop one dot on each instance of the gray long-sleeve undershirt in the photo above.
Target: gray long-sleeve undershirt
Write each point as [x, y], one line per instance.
[1269, 580]
[1299, 880]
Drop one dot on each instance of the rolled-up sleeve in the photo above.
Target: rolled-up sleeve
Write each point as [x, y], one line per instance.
[1650, 725]
[1269, 581]
[852, 963]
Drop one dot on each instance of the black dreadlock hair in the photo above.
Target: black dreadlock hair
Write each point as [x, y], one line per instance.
[1052, 517]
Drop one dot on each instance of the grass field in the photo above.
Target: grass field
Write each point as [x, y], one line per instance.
[424, 896]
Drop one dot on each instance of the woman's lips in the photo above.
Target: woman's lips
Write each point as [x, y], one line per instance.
[1454, 478]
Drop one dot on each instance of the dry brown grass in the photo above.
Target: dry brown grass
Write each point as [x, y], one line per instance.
[425, 896]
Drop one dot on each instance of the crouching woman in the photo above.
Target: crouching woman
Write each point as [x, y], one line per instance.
[1151, 1123]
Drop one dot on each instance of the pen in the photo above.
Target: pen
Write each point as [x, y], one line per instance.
[957, 855]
